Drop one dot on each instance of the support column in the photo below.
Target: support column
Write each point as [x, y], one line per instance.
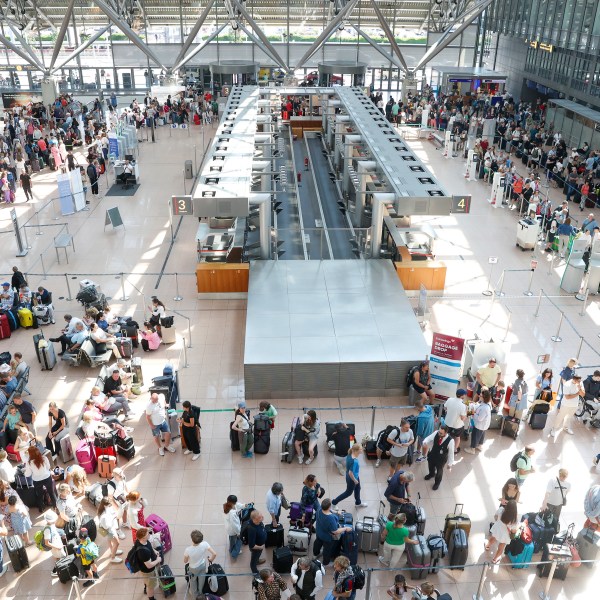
[379, 211]
[49, 90]
[263, 201]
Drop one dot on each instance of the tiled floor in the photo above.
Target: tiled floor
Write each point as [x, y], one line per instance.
[189, 495]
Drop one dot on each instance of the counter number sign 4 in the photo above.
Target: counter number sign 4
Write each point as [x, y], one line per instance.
[461, 204]
[182, 206]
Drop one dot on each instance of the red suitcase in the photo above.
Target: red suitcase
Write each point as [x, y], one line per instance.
[4, 327]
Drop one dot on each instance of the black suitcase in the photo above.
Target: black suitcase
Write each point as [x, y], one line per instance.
[166, 580]
[562, 568]
[51, 162]
[458, 549]
[234, 438]
[90, 524]
[161, 389]
[16, 553]
[25, 490]
[283, 560]
[36, 340]
[275, 536]
[510, 427]
[126, 447]
[538, 420]
[216, 570]
[66, 569]
[262, 441]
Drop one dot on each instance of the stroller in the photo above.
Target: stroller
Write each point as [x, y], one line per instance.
[90, 297]
[588, 410]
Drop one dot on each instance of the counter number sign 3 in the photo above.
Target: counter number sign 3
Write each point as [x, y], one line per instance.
[182, 206]
[461, 204]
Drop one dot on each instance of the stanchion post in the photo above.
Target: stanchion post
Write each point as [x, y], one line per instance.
[501, 292]
[39, 229]
[488, 291]
[478, 594]
[177, 298]
[368, 585]
[24, 228]
[184, 186]
[557, 338]
[123, 297]
[195, 162]
[537, 310]
[185, 362]
[545, 595]
[579, 349]
[585, 301]
[68, 288]
[529, 292]
[75, 585]
[507, 326]
[373, 409]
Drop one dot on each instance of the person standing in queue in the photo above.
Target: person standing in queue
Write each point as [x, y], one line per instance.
[328, 530]
[92, 174]
[257, 537]
[439, 450]
[190, 431]
[148, 560]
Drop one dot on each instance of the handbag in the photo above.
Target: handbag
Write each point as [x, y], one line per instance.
[284, 503]
[167, 322]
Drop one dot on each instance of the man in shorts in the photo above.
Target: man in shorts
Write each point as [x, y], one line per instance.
[455, 417]
[400, 440]
[148, 559]
[156, 415]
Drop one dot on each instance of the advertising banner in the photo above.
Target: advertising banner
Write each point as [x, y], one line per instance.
[67, 205]
[15, 99]
[445, 364]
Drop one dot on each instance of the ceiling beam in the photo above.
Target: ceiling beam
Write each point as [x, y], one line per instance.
[260, 45]
[390, 35]
[199, 47]
[18, 51]
[327, 32]
[259, 32]
[133, 37]
[60, 38]
[194, 32]
[378, 47]
[33, 59]
[449, 36]
[42, 14]
[81, 48]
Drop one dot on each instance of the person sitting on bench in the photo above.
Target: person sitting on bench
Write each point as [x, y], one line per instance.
[127, 173]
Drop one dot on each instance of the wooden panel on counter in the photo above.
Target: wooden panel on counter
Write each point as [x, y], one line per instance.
[222, 277]
[430, 273]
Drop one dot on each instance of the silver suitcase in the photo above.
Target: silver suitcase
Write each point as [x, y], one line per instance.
[368, 532]
[298, 540]
[66, 448]
[588, 542]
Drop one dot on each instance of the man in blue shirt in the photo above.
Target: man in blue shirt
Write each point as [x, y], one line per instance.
[327, 529]
[257, 537]
[397, 492]
[77, 339]
[589, 224]
[274, 502]
[8, 384]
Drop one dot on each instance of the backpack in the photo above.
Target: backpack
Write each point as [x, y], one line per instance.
[384, 435]
[132, 561]
[196, 415]
[89, 551]
[40, 542]
[410, 376]
[317, 567]
[410, 510]
[359, 578]
[513, 461]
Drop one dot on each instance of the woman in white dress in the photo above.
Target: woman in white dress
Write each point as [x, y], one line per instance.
[507, 522]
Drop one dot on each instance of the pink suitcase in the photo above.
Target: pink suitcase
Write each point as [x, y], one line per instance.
[159, 526]
[86, 457]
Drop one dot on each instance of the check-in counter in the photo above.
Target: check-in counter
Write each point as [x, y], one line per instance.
[301, 124]
[430, 273]
[222, 277]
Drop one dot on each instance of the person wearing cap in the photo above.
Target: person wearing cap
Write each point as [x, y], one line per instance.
[455, 417]
[572, 390]
[422, 382]
[7, 296]
[488, 376]
[52, 538]
[88, 553]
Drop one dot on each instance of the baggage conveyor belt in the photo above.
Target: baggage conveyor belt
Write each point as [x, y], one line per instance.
[326, 227]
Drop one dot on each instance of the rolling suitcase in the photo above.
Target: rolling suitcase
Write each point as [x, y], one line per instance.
[13, 455]
[25, 317]
[540, 535]
[454, 520]
[51, 162]
[330, 428]
[36, 340]
[13, 319]
[521, 561]
[562, 553]
[168, 335]
[25, 490]
[368, 533]
[106, 464]
[4, 327]
[349, 546]
[262, 441]
[421, 516]
[283, 560]
[287, 445]
[371, 451]
[538, 420]
[94, 494]
[510, 427]
[124, 346]
[173, 424]
[162, 389]
[161, 527]
[438, 548]
[275, 536]
[126, 447]
[86, 456]
[35, 165]
[48, 357]
[166, 580]
[66, 449]
[589, 545]
[216, 581]
[418, 558]
[298, 540]
[495, 421]
[17, 553]
[66, 569]
[89, 523]
[136, 370]
[458, 548]
[234, 438]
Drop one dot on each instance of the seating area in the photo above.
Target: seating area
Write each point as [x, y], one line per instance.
[87, 356]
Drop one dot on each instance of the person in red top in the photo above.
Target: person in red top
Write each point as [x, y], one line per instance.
[516, 192]
[484, 145]
[585, 190]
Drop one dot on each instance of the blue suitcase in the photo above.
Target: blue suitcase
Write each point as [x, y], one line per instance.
[521, 561]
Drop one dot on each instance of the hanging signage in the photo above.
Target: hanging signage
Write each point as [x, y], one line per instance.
[445, 364]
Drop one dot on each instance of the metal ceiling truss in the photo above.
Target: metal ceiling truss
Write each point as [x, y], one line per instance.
[390, 35]
[25, 47]
[81, 48]
[61, 33]
[199, 47]
[195, 30]
[378, 47]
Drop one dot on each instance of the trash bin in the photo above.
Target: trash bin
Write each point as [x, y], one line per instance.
[189, 172]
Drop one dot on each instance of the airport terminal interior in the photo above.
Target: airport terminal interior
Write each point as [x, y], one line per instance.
[323, 195]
